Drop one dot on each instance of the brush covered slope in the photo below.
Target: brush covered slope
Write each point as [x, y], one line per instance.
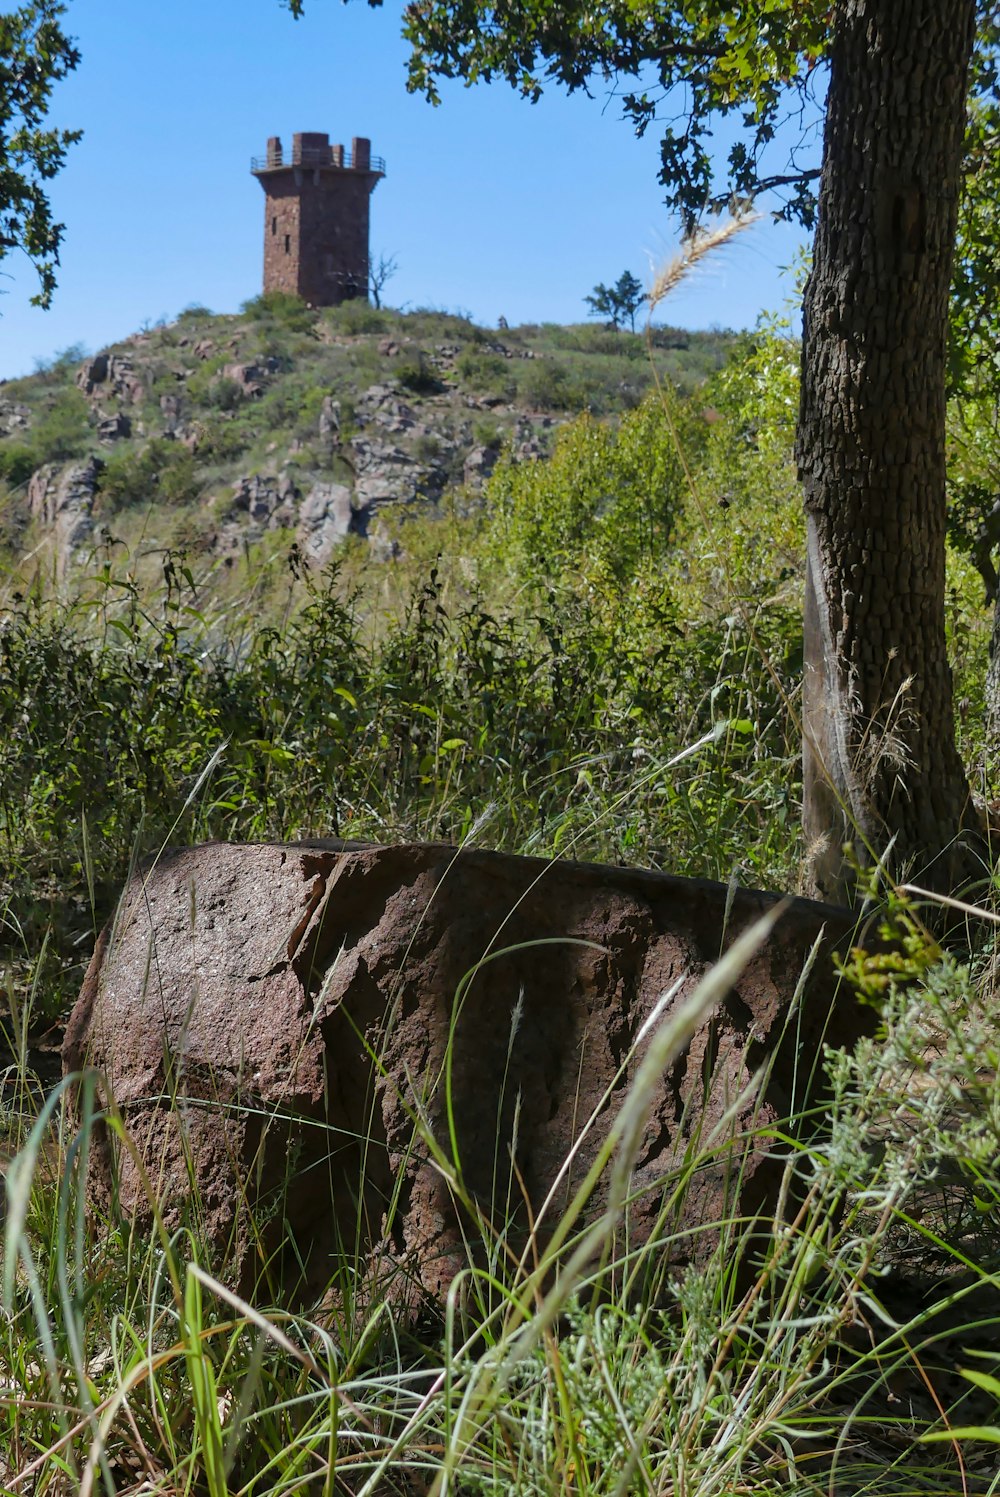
[214, 433]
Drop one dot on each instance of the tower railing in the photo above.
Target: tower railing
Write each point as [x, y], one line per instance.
[333, 158]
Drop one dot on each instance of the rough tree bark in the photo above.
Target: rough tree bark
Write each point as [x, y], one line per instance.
[880, 761]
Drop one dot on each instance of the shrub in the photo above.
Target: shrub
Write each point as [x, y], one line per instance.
[603, 498]
[162, 471]
[18, 461]
[224, 394]
[486, 433]
[356, 317]
[282, 308]
[223, 439]
[485, 371]
[546, 386]
[62, 365]
[63, 430]
[417, 375]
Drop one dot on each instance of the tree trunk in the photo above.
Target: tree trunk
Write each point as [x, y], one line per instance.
[880, 765]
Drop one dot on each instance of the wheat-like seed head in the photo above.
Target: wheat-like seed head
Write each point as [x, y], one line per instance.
[702, 242]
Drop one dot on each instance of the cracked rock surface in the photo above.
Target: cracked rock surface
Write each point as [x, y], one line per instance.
[236, 1002]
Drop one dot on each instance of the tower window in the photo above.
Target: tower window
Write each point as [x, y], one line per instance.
[274, 226]
[288, 244]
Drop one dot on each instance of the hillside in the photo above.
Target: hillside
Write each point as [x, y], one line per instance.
[212, 433]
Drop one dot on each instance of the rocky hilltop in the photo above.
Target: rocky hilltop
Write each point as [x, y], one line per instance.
[213, 433]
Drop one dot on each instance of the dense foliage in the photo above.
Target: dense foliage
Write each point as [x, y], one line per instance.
[35, 53]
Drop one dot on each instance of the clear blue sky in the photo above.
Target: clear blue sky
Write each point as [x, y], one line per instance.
[491, 205]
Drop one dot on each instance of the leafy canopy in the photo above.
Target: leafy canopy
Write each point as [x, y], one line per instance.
[687, 62]
[35, 53]
[684, 63]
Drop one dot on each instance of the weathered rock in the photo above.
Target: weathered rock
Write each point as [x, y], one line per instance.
[388, 475]
[114, 428]
[249, 377]
[479, 464]
[13, 417]
[329, 418]
[328, 514]
[63, 498]
[263, 496]
[382, 405]
[171, 406]
[123, 380]
[111, 374]
[92, 372]
[234, 1006]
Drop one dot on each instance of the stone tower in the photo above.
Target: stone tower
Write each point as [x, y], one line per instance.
[316, 217]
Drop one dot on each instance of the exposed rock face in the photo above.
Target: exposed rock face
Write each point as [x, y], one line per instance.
[326, 516]
[479, 464]
[172, 407]
[92, 372]
[115, 428]
[64, 499]
[329, 419]
[266, 499]
[387, 475]
[236, 1002]
[13, 417]
[250, 378]
[111, 374]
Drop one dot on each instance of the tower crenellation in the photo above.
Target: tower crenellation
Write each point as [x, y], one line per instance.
[316, 216]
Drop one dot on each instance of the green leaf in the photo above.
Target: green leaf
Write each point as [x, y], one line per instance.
[987, 1432]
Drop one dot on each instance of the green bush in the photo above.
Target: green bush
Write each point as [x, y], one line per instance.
[356, 317]
[223, 439]
[485, 371]
[603, 501]
[282, 308]
[62, 366]
[291, 405]
[63, 430]
[161, 472]
[545, 386]
[18, 460]
[224, 394]
[417, 375]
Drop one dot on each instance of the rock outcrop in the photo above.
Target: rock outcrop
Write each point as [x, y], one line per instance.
[111, 374]
[280, 1023]
[326, 516]
[14, 417]
[63, 498]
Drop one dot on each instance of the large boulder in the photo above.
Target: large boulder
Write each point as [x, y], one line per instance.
[272, 1021]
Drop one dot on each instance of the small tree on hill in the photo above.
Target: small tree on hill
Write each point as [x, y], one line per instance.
[381, 272]
[629, 296]
[619, 301]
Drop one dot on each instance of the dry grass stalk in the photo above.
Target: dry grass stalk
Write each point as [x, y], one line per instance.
[703, 241]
